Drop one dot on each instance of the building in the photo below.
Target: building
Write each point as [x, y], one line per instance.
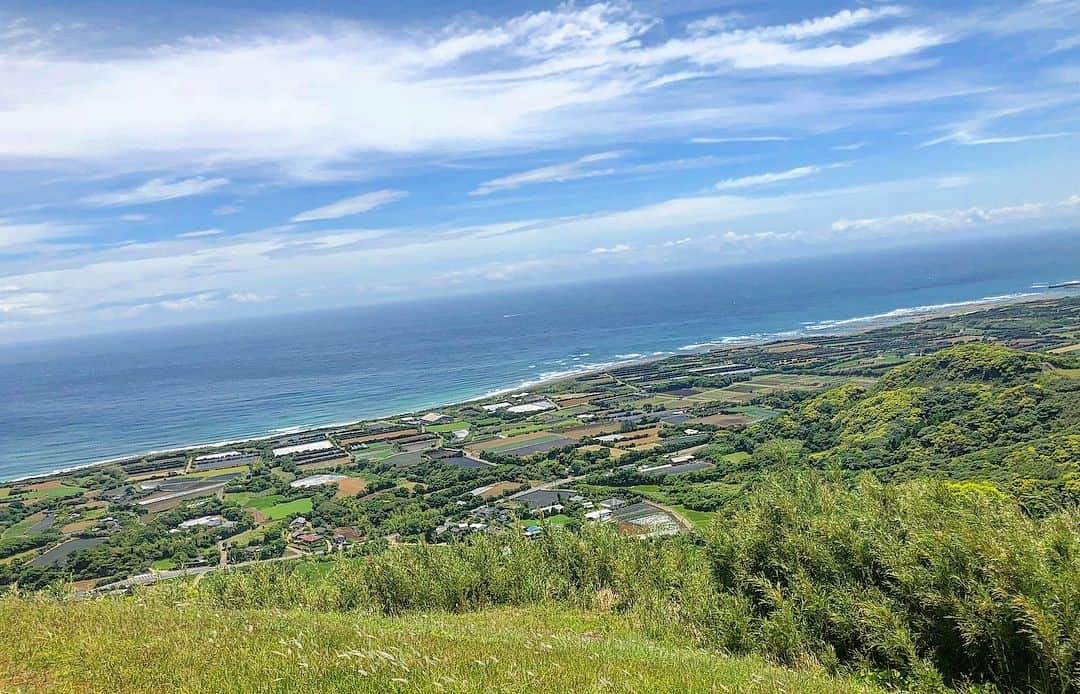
[315, 481]
[436, 418]
[543, 500]
[213, 461]
[612, 503]
[532, 407]
[206, 522]
[599, 515]
[302, 448]
[646, 520]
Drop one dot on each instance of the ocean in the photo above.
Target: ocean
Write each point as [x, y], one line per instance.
[72, 402]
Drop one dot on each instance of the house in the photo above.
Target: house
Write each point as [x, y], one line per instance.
[435, 418]
[309, 538]
[612, 503]
[298, 522]
[533, 531]
[598, 515]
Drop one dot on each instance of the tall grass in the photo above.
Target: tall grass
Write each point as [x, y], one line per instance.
[931, 582]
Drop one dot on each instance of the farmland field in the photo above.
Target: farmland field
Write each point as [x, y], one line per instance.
[54, 492]
[350, 486]
[504, 444]
[288, 508]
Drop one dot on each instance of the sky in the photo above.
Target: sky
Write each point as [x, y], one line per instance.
[166, 163]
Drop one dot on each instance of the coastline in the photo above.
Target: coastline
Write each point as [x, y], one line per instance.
[824, 328]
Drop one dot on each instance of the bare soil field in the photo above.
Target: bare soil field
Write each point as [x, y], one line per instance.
[350, 486]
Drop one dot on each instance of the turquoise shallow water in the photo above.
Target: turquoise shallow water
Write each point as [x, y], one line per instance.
[78, 401]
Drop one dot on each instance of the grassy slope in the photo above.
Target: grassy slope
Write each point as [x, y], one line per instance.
[119, 645]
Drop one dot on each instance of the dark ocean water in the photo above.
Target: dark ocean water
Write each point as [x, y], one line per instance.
[73, 402]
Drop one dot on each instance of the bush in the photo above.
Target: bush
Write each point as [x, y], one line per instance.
[928, 581]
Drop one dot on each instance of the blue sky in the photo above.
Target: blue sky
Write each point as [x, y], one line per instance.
[164, 162]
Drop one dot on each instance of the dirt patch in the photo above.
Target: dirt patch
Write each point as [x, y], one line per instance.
[510, 440]
[616, 453]
[639, 439]
[79, 526]
[350, 486]
[42, 486]
[257, 515]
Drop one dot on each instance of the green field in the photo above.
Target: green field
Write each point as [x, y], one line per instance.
[254, 500]
[19, 529]
[288, 508]
[557, 519]
[54, 493]
[696, 518]
[163, 565]
[118, 645]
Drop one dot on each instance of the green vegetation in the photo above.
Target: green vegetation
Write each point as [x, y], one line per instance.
[898, 510]
[288, 508]
[54, 492]
[150, 645]
[447, 427]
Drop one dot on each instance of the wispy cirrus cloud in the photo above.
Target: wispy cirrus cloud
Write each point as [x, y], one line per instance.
[963, 137]
[199, 234]
[156, 190]
[348, 207]
[747, 138]
[582, 167]
[769, 178]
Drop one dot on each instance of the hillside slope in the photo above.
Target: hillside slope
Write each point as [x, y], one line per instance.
[971, 412]
[118, 645]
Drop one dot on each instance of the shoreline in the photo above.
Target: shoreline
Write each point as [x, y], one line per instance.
[824, 328]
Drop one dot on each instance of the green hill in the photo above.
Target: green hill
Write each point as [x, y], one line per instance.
[152, 646]
[970, 412]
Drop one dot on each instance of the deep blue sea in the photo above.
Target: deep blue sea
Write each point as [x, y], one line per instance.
[72, 402]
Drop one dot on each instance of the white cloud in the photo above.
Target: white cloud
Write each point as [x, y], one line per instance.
[557, 173]
[351, 206]
[748, 138]
[464, 87]
[18, 237]
[199, 234]
[962, 137]
[959, 218]
[767, 178]
[617, 248]
[156, 190]
[850, 147]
